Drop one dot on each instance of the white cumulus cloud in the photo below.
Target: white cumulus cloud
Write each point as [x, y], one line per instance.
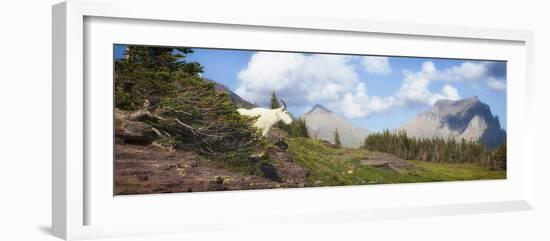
[495, 84]
[376, 65]
[333, 80]
[469, 72]
[297, 78]
[414, 88]
[303, 80]
[358, 103]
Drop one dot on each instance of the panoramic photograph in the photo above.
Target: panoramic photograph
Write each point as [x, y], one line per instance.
[199, 119]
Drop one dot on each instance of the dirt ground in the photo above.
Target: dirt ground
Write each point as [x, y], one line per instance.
[141, 169]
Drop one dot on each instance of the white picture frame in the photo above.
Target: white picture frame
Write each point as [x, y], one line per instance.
[78, 195]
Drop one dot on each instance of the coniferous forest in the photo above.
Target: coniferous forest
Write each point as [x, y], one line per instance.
[436, 149]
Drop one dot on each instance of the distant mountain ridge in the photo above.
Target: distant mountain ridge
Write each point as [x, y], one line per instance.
[322, 123]
[239, 101]
[469, 118]
[318, 107]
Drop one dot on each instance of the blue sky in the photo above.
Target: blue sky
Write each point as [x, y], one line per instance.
[373, 92]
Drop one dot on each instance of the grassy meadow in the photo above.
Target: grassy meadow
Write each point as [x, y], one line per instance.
[330, 166]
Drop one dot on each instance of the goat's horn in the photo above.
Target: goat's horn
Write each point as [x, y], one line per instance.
[284, 104]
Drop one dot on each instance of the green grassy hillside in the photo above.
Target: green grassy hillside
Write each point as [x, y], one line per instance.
[329, 166]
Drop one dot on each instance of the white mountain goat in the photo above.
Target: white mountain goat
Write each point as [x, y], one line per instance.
[267, 117]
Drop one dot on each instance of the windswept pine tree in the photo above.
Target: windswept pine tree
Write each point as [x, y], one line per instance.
[185, 110]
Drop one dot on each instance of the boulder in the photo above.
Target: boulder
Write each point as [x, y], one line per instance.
[134, 132]
[270, 172]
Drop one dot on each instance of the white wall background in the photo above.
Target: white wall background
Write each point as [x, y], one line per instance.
[25, 119]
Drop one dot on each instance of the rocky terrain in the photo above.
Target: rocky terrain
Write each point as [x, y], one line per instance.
[143, 169]
[322, 123]
[385, 160]
[143, 166]
[469, 118]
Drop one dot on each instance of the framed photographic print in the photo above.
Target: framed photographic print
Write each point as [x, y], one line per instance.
[196, 119]
[208, 122]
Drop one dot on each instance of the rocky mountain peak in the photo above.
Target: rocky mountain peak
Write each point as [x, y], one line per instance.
[322, 124]
[319, 108]
[450, 107]
[463, 102]
[468, 118]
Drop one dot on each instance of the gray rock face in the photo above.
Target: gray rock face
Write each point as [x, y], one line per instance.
[322, 123]
[469, 118]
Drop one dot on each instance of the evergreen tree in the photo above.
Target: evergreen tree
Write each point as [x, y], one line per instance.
[150, 73]
[436, 149]
[337, 141]
[500, 155]
[297, 128]
[274, 101]
[501, 151]
[189, 112]
[302, 128]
